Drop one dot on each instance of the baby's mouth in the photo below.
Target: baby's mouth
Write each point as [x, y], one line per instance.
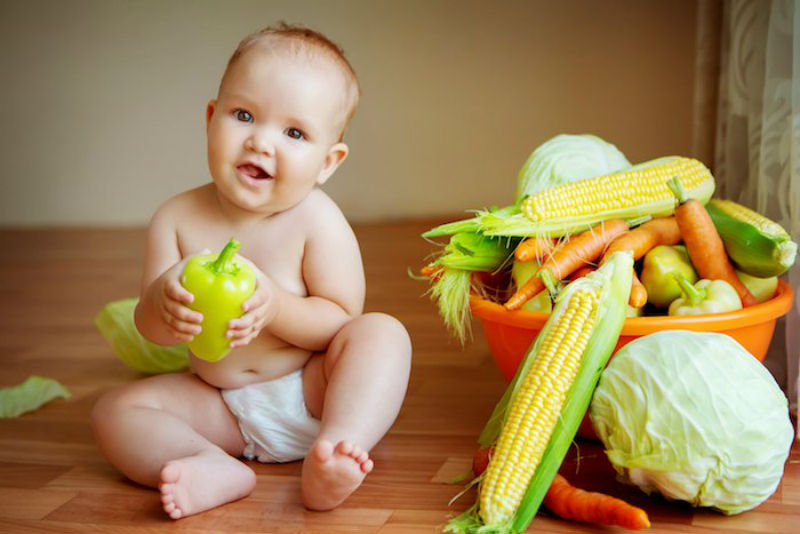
[254, 171]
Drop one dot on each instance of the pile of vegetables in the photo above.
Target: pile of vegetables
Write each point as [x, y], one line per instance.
[602, 241]
[564, 227]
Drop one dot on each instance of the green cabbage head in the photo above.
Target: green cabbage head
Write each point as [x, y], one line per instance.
[567, 158]
[696, 417]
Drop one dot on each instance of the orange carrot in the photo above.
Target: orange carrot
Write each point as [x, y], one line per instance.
[640, 240]
[581, 249]
[534, 248]
[705, 246]
[660, 231]
[580, 273]
[429, 270]
[638, 296]
[569, 502]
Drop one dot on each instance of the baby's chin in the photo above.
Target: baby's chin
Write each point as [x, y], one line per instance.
[245, 200]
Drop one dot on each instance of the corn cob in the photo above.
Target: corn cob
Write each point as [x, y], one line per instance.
[757, 245]
[538, 416]
[635, 192]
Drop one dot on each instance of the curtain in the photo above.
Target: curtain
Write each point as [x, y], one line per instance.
[757, 140]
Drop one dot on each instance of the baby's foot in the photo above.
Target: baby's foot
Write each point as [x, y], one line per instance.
[331, 474]
[206, 480]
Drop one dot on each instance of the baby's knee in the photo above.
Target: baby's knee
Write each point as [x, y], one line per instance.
[107, 408]
[385, 331]
[112, 404]
[104, 412]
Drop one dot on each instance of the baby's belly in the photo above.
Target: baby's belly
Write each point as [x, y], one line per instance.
[265, 358]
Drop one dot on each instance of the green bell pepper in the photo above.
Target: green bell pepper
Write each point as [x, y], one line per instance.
[704, 297]
[656, 276]
[220, 285]
[521, 271]
[762, 289]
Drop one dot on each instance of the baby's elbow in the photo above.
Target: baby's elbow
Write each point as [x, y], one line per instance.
[152, 330]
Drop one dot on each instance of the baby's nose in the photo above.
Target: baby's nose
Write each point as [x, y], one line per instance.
[260, 143]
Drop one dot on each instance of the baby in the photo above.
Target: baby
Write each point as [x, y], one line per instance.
[309, 377]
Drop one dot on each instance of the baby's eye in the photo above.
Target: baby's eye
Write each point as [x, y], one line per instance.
[242, 115]
[294, 133]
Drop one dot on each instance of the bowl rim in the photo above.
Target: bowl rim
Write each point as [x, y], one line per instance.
[766, 311]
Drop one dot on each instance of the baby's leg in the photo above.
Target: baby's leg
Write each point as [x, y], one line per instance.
[361, 381]
[174, 432]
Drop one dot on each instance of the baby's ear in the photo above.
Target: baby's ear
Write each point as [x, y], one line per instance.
[336, 155]
[212, 105]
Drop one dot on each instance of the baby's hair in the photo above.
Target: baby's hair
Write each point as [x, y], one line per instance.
[297, 40]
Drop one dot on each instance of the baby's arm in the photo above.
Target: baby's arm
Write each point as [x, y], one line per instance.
[334, 278]
[161, 315]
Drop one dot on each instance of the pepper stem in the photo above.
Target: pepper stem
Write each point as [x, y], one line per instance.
[549, 282]
[691, 293]
[224, 262]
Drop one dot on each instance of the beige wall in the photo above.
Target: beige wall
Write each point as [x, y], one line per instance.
[103, 101]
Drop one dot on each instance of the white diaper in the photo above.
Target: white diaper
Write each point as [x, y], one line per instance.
[274, 420]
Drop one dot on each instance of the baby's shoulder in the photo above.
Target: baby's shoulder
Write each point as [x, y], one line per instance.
[319, 209]
[189, 204]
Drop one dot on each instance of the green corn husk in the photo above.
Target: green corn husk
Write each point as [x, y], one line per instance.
[466, 252]
[451, 293]
[471, 225]
[613, 281]
[475, 252]
[756, 244]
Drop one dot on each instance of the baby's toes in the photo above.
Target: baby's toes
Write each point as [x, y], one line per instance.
[171, 508]
[323, 450]
[356, 453]
[366, 466]
[344, 447]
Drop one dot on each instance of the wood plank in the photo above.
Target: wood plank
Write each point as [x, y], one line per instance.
[20, 503]
[29, 476]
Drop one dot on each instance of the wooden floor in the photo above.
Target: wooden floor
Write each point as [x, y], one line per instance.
[52, 478]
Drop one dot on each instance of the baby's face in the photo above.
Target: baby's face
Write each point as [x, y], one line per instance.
[273, 132]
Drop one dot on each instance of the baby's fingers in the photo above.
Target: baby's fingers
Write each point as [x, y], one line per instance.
[243, 325]
[180, 319]
[242, 330]
[182, 313]
[243, 337]
[176, 291]
[182, 330]
[256, 300]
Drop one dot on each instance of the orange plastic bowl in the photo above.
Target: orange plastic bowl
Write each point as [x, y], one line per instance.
[510, 333]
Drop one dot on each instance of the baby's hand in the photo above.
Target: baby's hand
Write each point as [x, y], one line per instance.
[259, 310]
[171, 300]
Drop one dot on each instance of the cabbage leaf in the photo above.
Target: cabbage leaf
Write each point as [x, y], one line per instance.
[115, 322]
[30, 395]
[567, 158]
